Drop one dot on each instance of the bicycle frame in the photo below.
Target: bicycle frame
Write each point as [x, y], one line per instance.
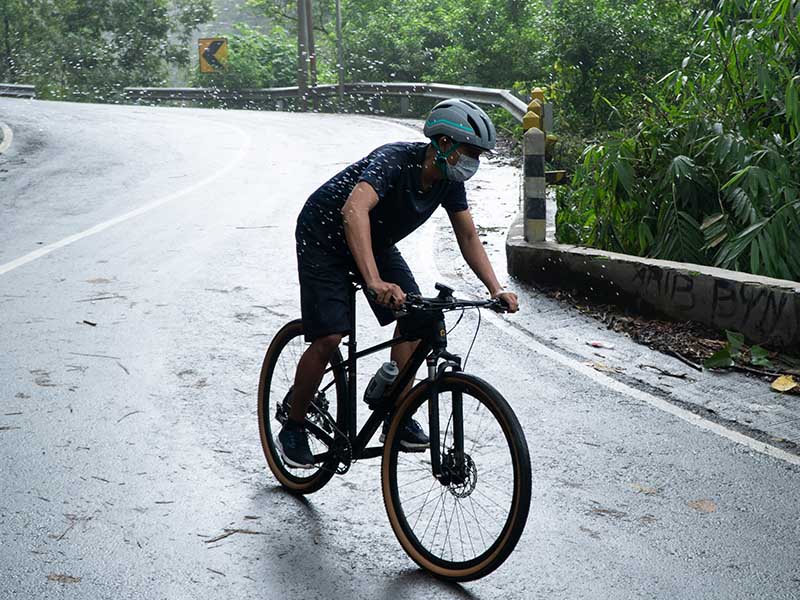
[424, 353]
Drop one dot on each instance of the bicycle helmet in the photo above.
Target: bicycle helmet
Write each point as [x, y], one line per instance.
[462, 121]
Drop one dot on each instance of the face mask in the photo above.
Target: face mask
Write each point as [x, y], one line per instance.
[465, 167]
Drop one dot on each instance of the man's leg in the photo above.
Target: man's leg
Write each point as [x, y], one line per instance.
[309, 374]
[292, 440]
[412, 436]
[401, 353]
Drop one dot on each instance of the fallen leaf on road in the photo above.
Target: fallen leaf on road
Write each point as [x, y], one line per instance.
[609, 512]
[592, 533]
[598, 344]
[705, 506]
[90, 323]
[785, 383]
[63, 578]
[604, 368]
[665, 373]
[650, 491]
[229, 532]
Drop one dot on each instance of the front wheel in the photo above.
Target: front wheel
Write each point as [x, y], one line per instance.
[465, 523]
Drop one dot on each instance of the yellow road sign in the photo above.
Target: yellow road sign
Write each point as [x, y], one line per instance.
[213, 54]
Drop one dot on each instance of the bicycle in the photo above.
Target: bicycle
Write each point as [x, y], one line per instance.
[470, 489]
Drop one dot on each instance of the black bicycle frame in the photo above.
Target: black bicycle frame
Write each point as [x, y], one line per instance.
[347, 419]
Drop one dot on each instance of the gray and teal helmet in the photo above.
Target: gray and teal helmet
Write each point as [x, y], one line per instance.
[461, 121]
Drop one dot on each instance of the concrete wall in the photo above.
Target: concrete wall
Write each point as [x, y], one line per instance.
[765, 310]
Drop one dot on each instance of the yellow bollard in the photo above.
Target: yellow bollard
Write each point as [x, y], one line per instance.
[531, 120]
[538, 94]
[536, 107]
[549, 144]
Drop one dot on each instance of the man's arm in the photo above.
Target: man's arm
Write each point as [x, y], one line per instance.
[355, 215]
[473, 252]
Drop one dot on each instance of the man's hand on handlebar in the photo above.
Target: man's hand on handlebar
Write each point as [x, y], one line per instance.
[509, 299]
[387, 294]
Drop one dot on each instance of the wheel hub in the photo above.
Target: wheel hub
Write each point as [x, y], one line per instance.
[459, 474]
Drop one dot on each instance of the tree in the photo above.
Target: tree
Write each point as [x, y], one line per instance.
[91, 49]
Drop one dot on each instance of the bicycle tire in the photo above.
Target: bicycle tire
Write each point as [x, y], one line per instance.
[399, 503]
[272, 392]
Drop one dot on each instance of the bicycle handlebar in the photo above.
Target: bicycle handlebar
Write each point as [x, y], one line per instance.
[420, 303]
[444, 302]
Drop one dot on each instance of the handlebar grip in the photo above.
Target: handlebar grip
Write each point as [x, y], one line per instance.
[500, 306]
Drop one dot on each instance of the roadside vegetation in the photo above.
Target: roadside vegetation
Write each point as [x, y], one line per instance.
[91, 49]
[708, 172]
[677, 119]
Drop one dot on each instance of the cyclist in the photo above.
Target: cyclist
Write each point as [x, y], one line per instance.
[351, 224]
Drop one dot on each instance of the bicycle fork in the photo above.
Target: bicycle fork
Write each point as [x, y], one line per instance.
[452, 469]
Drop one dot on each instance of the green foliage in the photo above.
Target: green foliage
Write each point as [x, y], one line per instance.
[604, 51]
[709, 173]
[734, 352]
[255, 60]
[90, 49]
[585, 51]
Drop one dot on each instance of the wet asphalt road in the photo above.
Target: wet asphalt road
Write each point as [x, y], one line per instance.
[126, 446]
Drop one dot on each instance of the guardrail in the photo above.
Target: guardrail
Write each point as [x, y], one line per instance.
[17, 91]
[497, 97]
[536, 118]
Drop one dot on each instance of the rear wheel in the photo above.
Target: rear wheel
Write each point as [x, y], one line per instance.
[463, 525]
[274, 400]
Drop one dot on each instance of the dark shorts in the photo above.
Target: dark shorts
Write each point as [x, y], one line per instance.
[325, 287]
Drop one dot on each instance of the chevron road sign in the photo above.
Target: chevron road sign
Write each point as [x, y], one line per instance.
[213, 54]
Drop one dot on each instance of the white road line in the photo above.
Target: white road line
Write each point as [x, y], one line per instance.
[45, 250]
[8, 135]
[433, 273]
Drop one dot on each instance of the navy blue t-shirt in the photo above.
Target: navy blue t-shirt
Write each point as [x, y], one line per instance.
[395, 172]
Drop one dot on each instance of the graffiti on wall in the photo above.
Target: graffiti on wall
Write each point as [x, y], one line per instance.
[760, 312]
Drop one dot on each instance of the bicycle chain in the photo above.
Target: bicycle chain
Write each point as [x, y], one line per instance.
[344, 454]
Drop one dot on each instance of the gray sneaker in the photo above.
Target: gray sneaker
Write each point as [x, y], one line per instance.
[412, 437]
[292, 444]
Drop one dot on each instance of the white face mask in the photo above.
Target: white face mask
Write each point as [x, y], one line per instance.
[465, 167]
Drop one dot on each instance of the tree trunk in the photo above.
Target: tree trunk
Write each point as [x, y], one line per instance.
[312, 55]
[302, 56]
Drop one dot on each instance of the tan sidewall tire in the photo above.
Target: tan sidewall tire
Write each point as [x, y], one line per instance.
[520, 510]
[270, 452]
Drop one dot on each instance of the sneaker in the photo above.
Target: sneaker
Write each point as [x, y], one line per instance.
[412, 437]
[292, 444]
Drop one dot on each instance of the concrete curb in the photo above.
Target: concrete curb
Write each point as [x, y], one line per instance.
[765, 310]
[8, 137]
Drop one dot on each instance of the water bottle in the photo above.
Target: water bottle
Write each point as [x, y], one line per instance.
[380, 382]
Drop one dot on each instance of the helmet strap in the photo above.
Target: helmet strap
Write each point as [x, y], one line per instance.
[441, 157]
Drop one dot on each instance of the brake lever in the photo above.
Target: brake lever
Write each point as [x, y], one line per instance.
[499, 306]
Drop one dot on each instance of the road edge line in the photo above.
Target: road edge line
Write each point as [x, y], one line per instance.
[526, 339]
[45, 250]
[8, 137]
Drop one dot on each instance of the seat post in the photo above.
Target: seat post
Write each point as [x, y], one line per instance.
[352, 378]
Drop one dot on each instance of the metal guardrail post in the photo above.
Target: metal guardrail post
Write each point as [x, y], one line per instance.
[17, 91]
[534, 188]
[405, 105]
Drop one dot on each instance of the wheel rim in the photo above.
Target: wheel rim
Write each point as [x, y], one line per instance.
[460, 523]
[277, 381]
